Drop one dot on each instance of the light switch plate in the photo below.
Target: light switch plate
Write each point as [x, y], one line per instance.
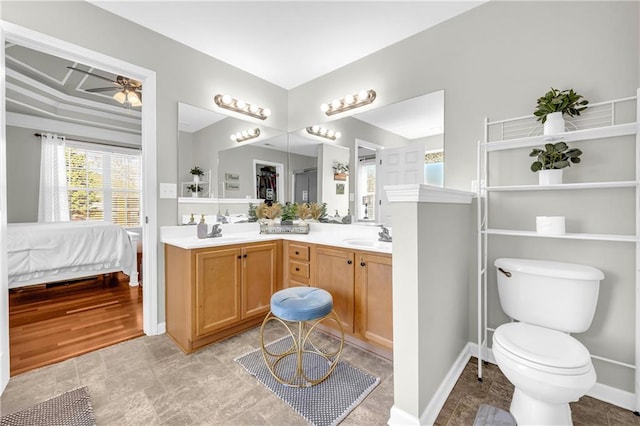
[168, 190]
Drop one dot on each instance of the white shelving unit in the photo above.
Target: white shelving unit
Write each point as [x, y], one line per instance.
[602, 121]
[204, 183]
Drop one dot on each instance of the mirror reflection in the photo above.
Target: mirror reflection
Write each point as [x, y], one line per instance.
[401, 143]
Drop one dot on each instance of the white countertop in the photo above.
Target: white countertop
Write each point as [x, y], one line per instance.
[355, 237]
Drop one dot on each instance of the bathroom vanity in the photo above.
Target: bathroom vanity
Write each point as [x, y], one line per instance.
[218, 287]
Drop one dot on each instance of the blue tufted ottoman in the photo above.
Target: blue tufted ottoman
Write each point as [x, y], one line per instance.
[296, 360]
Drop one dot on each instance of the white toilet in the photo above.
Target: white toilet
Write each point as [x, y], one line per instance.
[547, 366]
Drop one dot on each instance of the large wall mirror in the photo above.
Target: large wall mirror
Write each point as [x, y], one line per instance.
[393, 144]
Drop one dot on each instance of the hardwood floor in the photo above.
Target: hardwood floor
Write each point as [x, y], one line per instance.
[48, 325]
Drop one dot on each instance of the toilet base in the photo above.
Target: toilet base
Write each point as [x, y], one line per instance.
[530, 411]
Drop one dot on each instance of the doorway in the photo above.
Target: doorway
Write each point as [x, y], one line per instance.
[11, 33]
[269, 185]
[305, 186]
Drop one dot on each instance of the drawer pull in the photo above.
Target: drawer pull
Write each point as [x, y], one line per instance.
[297, 269]
[297, 252]
[363, 264]
[349, 262]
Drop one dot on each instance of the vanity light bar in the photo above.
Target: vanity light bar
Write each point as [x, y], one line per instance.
[245, 135]
[363, 97]
[323, 132]
[238, 105]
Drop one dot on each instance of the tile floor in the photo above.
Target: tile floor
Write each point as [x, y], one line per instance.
[149, 381]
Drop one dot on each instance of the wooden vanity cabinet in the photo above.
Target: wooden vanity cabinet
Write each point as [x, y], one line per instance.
[297, 270]
[213, 293]
[361, 285]
[335, 273]
[374, 298]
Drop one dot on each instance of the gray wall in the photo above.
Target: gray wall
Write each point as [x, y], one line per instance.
[23, 177]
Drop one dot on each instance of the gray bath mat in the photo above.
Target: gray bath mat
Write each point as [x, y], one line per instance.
[72, 408]
[324, 404]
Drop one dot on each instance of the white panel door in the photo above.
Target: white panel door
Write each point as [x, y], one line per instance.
[397, 166]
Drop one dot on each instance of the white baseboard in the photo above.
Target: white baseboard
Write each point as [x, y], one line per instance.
[429, 415]
[611, 395]
[162, 328]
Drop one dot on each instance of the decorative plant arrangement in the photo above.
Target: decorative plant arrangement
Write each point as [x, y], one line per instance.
[197, 173]
[269, 212]
[340, 170]
[554, 105]
[553, 158]
[289, 213]
[304, 211]
[194, 188]
[318, 211]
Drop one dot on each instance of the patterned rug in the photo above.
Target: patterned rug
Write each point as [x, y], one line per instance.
[324, 404]
[72, 408]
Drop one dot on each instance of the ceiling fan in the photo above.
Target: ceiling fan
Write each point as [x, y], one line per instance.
[129, 91]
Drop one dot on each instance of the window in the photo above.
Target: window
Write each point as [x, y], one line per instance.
[367, 188]
[104, 184]
[433, 168]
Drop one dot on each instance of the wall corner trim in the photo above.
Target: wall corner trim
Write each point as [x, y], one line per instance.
[421, 193]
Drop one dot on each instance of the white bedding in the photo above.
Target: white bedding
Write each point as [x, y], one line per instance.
[46, 252]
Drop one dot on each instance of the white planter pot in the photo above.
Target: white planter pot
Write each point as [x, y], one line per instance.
[194, 194]
[196, 178]
[550, 177]
[554, 124]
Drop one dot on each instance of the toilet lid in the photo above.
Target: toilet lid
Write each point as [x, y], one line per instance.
[543, 347]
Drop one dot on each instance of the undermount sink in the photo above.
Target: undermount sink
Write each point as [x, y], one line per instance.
[368, 243]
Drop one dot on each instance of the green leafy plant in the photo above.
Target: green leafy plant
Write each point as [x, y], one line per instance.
[289, 212]
[339, 167]
[566, 101]
[194, 188]
[554, 156]
[196, 171]
[253, 217]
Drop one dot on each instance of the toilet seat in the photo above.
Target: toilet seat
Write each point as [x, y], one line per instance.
[542, 349]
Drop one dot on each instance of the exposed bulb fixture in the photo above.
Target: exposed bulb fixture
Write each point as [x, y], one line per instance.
[245, 135]
[323, 132]
[238, 105]
[336, 106]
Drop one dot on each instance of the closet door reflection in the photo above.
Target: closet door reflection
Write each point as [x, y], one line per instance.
[305, 186]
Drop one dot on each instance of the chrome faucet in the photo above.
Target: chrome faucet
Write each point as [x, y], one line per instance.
[216, 231]
[384, 234]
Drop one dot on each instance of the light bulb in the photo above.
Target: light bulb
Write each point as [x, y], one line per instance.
[338, 134]
[349, 99]
[252, 132]
[120, 97]
[226, 99]
[253, 108]
[133, 99]
[266, 112]
[324, 107]
[233, 137]
[330, 133]
[335, 104]
[240, 104]
[238, 135]
[315, 128]
[245, 133]
[363, 95]
[323, 131]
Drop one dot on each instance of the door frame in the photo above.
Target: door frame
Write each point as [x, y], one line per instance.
[53, 46]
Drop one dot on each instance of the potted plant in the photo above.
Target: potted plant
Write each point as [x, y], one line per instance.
[340, 170]
[554, 105]
[289, 213]
[551, 160]
[194, 188]
[196, 172]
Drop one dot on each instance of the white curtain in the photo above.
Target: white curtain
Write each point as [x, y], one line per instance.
[53, 205]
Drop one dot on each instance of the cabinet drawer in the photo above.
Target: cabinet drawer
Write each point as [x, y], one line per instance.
[298, 269]
[299, 252]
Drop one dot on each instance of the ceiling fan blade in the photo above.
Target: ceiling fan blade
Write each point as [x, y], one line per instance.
[94, 75]
[102, 89]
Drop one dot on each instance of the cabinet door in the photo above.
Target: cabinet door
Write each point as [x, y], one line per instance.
[217, 289]
[334, 269]
[374, 307]
[258, 278]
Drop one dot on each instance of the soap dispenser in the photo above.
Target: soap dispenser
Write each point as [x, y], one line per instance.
[202, 228]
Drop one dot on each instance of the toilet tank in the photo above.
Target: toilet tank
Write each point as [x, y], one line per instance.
[556, 295]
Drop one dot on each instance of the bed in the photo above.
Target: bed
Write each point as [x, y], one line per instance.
[59, 251]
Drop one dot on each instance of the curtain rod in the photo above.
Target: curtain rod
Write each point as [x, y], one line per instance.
[39, 135]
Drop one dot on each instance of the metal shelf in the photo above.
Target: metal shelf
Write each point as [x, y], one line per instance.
[569, 236]
[564, 186]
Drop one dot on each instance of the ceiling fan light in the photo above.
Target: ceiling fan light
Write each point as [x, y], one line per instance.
[120, 97]
[133, 99]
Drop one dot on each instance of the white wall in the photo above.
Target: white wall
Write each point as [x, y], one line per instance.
[23, 177]
[327, 155]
